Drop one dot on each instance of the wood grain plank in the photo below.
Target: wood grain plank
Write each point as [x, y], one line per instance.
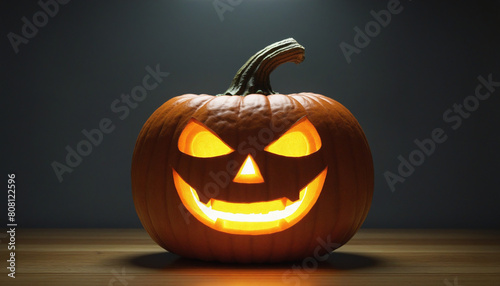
[244, 280]
[372, 257]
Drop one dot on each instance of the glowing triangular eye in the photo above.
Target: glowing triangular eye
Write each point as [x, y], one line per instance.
[198, 141]
[301, 139]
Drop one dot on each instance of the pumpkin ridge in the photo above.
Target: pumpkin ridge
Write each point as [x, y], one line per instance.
[173, 141]
[144, 134]
[166, 123]
[168, 169]
[347, 117]
[367, 202]
[151, 226]
[296, 232]
[355, 219]
[335, 226]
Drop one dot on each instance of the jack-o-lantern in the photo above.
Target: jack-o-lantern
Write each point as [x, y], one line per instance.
[252, 175]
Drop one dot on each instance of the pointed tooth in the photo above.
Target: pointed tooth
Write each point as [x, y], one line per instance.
[219, 223]
[302, 193]
[283, 224]
[209, 204]
[286, 202]
[283, 203]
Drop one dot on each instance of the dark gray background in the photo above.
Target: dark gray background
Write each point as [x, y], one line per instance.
[428, 58]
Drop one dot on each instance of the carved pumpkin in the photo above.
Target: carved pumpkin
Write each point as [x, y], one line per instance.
[252, 175]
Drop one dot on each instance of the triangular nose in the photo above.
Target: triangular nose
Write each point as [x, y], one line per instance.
[249, 172]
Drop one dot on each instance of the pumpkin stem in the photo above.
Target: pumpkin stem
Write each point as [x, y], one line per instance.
[253, 76]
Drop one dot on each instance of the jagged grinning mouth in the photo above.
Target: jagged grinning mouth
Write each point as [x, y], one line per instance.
[250, 218]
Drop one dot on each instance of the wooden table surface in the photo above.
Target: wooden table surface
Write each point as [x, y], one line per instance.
[128, 257]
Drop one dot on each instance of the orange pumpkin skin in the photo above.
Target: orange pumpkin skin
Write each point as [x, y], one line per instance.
[247, 124]
[338, 213]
